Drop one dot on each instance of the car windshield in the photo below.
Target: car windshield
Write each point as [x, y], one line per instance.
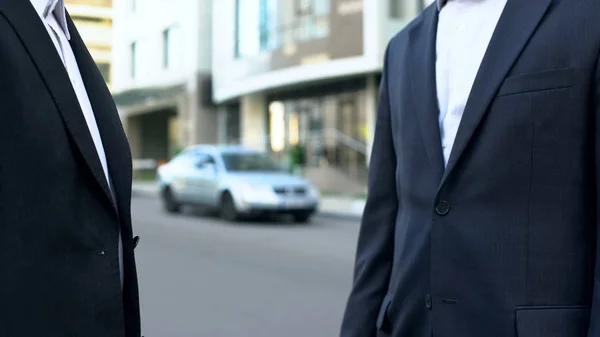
[249, 162]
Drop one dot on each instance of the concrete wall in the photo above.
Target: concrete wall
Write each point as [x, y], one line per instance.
[253, 112]
[204, 118]
[132, 129]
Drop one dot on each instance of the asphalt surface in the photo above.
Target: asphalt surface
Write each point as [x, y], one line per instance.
[202, 277]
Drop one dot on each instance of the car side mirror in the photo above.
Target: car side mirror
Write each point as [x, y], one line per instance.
[207, 165]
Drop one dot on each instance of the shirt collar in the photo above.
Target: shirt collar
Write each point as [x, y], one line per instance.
[44, 8]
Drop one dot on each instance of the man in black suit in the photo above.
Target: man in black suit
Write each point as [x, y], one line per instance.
[482, 217]
[66, 240]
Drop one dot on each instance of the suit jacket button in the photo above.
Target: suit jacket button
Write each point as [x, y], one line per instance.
[428, 302]
[442, 207]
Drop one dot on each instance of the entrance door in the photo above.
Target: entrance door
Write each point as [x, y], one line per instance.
[154, 134]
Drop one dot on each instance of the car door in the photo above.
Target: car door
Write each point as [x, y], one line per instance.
[208, 181]
[202, 173]
[180, 171]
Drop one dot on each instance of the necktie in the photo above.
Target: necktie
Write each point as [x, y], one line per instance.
[53, 24]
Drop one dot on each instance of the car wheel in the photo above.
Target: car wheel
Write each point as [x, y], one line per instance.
[227, 209]
[170, 204]
[302, 217]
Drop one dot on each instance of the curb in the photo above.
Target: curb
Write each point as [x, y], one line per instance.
[342, 216]
[143, 194]
[354, 216]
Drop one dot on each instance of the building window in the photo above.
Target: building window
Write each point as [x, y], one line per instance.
[305, 7]
[134, 56]
[257, 26]
[94, 3]
[171, 47]
[167, 39]
[89, 19]
[331, 124]
[248, 28]
[166, 44]
[277, 126]
[396, 10]
[403, 9]
[104, 68]
[313, 16]
[265, 25]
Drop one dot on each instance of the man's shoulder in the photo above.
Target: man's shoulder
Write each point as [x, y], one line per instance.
[401, 38]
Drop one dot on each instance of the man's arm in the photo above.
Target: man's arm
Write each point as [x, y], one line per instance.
[376, 239]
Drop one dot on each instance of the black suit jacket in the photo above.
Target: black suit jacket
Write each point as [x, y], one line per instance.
[502, 242]
[59, 225]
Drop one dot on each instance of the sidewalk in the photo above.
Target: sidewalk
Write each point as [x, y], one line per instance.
[334, 206]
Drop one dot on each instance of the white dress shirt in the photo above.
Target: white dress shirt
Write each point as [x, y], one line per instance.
[465, 28]
[54, 16]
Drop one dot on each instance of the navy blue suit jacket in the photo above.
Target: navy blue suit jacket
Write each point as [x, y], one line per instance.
[503, 241]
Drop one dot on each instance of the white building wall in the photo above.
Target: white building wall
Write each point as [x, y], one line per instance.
[204, 40]
[145, 25]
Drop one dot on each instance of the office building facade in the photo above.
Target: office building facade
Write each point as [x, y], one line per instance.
[93, 19]
[304, 74]
[162, 74]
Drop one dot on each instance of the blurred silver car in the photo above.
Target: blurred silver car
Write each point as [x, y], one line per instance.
[235, 181]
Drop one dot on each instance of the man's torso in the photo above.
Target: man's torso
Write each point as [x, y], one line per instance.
[60, 227]
[503, 236]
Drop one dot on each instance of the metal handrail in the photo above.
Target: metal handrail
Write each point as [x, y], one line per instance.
[343, 138]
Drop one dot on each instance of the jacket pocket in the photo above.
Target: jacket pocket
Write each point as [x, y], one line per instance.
[553, 321]
[537, 81]
[382, 320]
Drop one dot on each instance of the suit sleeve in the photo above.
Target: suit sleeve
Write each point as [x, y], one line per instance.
[594, 328]
[375, 248]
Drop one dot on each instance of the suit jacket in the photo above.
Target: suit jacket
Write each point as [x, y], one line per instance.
[59, 225]
[503, 241]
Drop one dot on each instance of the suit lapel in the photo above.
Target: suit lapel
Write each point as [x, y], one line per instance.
[22, 16]
[422, 51]
[516, 25]
[115, 143]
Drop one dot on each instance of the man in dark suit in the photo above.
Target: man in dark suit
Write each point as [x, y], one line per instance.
[66, 240]
[482, 217]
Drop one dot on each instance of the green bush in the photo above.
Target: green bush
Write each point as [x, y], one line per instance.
[298, 156]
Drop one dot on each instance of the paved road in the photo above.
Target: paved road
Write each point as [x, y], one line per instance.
[201, 277]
